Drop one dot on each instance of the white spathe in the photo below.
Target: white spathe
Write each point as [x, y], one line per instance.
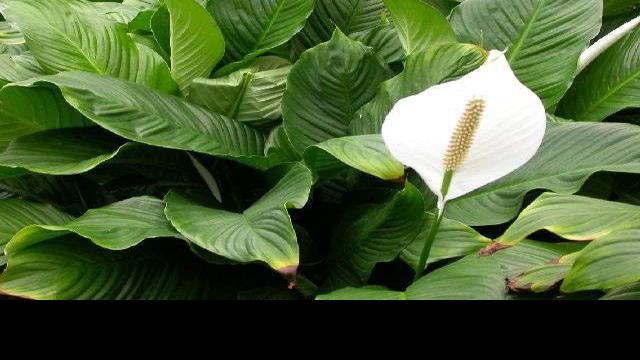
[418, 129]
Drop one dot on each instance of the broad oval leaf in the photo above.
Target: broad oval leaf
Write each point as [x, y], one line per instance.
[25, 111]
[252, 27]
[350, 16]
[196, 42]
[472, 278]
[118, 226]
[263, 232]
[366, 153]
[373, 233]
[251, 95]
[607, 263]
[64, 36]
[609, 84]
[543, 38]
[572, 217]
[16, 214]
[61, 151]
[326, 87]
[419, 25]
[148, 116]
[72, 268]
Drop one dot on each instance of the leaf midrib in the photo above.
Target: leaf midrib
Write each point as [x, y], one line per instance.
[525, 33]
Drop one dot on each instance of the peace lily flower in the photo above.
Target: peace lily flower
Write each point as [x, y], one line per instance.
[464, 134]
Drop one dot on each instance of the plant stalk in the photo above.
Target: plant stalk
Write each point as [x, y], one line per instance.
[433, 231]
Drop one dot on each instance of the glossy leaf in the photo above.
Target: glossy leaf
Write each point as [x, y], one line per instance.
[366, 153]
[326, 87]
[371, 234]
[64, 36]
[543, 38]
[263, 232]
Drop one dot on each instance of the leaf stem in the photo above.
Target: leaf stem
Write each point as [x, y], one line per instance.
[433, 231]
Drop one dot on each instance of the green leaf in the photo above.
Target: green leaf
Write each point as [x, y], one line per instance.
[118, 226]
[28, 110]
[421, 71]
[16, 214]
[419, 25]
[253, 27]
[471, 278]
[363, 293]
[326, 87]
[10, 35]
[197, 44]
[543, 277]
[629, 292]
[373, 233]
[263, 232]
[609, 262]
[366, 153]
[61, 151]
[572, 217]
[528, 254]
[570, 153]
[148, 116]
[350, 16]
[251, 95]
[609, 84]
[73, 268]
[385, 42]
[544, 38]
[66, 35]
[454, 239]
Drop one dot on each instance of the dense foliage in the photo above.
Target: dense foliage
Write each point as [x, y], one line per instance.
[160, 149]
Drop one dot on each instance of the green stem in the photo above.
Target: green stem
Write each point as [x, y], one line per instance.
[433, 231]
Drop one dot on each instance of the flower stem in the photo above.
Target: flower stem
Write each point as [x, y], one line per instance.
[433, 231]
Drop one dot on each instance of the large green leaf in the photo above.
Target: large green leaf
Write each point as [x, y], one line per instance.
[252, 27]
[544, 38]
[454, 239]
[529, 254]
[263, 232]
[67, 35]
[148, 116]
[629, 292]
[16, 214]
[373, 233]
[253, 94]
[350, 16]
[542, 278]
[366, 153]
[118, 226]
[570, 153]
[384, 40]
[419, 25]
[471, 278]
[610, 84]
[326, 87]
[73, 268]
[606, 263]
[572, 217]
[25, 111]
[197, 44]
[421, 71]
[61, 151]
